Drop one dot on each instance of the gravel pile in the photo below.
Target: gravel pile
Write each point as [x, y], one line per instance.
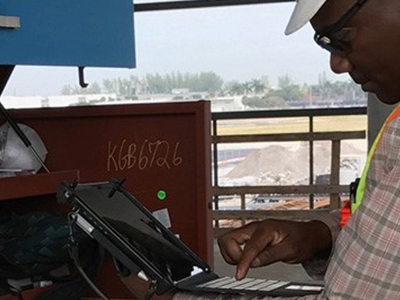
[282, 165]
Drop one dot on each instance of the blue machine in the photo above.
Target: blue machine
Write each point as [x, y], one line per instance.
[83, 33]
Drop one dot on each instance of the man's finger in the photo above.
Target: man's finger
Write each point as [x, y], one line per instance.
[231, 251]
[256, 245]
[245, 262]
[231, 243]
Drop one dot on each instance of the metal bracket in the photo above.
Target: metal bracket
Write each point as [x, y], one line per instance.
[10, 22]
[81, 75]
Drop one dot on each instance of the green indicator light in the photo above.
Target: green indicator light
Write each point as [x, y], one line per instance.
[161, 195]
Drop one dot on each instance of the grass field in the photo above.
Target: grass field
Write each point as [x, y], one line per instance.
[290, 125]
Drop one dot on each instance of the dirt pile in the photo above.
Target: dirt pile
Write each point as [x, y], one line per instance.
[280, 165]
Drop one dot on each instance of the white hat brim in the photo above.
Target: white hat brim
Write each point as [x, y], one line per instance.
[302, 13]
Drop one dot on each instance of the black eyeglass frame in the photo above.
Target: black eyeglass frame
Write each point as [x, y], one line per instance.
[324, 37]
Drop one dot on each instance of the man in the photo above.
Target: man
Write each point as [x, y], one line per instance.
[363, 261]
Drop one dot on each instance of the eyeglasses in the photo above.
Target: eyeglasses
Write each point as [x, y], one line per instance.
[336, 36]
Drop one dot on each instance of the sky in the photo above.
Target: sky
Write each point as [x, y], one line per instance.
[237, 43]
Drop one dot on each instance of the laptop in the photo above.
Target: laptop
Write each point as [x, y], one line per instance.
[140, 242]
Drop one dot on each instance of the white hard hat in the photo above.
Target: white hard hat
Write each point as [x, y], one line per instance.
[303, 12]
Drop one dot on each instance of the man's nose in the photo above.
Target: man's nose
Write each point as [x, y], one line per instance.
[340, 64]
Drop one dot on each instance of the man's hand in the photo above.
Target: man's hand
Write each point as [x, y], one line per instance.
[262, 243]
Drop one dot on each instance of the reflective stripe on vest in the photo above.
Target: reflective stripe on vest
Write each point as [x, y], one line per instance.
[361, 186]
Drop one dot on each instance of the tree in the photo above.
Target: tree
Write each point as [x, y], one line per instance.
[287, 89]
[209, 82]
[235, 88]
[253, 102]
[257, 86]
[264, 102]
[66, 90]
[275, 102]
[247, 87]
[199, 82]
[93, 88]
[325, 92]
[109, 85]
[156, 84]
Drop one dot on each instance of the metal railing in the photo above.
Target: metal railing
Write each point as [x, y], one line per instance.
[333, 189]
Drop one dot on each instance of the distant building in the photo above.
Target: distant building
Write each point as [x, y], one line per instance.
[57, 101]
[74, 100]
[232, 103]
[23, 102]
[180, 91]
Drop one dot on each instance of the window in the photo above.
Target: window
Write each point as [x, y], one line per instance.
[232, 55]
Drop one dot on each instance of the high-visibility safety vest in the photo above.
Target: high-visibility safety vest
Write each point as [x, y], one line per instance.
[351, 206]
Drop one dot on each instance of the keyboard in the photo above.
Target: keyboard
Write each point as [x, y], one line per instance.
[252, 284]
